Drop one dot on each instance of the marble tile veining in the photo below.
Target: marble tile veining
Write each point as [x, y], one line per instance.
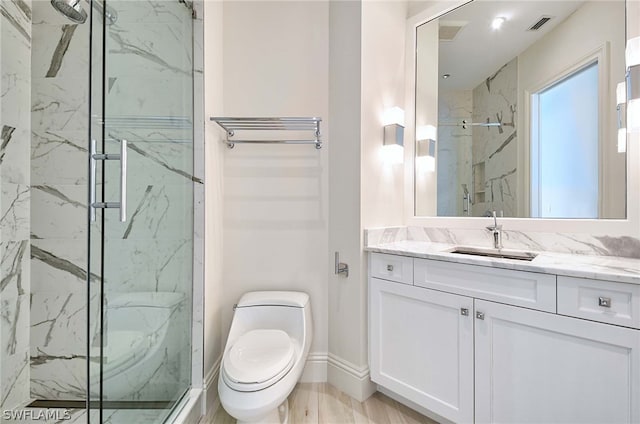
[494, 148]
[15, 196]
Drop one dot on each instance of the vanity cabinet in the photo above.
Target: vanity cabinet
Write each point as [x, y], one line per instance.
[537, 367]
[459, 353]
[422, 346]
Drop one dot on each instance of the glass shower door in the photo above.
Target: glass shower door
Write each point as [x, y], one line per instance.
[141, 222]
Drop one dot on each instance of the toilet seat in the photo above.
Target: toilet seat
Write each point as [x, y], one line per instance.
[258, 359]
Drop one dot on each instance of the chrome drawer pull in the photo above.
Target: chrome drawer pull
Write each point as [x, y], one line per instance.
[464, 311]
[389, 268]
[605, 302]
[480, 315]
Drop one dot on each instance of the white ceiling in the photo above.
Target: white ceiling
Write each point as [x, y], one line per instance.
[477, 51]
[416, 6]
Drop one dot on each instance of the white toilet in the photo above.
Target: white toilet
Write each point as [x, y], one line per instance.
[265, 354]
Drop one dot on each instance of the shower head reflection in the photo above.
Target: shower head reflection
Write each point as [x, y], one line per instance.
[73, 10]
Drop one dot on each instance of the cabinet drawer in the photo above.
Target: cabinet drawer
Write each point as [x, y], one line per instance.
[392, 267]
[519, 288]
[598, 300]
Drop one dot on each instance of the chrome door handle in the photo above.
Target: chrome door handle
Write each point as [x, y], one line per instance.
[92, 181]
[122, 157]
[123, 180]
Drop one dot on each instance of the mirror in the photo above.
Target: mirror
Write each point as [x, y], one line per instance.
[517, 112]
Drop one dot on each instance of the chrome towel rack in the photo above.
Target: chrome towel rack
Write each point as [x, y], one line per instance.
[299, 124]
[465, 124]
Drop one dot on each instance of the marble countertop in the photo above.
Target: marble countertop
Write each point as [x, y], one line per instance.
[619, 269]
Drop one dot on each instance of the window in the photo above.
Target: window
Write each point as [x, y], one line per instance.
[564, 147]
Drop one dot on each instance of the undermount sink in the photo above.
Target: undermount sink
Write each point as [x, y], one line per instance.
[495, 253]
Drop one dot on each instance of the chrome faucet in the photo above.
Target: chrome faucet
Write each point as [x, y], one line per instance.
[496, 230]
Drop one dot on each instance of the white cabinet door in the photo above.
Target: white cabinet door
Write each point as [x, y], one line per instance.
[421, 347]
[536, 367]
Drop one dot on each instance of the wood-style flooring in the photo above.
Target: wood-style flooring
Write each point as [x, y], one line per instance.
[321, 403]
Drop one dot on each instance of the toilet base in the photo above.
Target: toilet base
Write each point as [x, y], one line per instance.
[280, 415]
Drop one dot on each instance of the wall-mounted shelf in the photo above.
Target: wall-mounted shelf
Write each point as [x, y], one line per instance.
[297, 124]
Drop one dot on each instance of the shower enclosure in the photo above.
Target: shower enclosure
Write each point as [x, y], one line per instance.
[97, 207]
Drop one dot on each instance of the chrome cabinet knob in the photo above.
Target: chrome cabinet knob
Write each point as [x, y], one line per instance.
[389, 268]
[605, 302]
[480, 315]
[464, 311]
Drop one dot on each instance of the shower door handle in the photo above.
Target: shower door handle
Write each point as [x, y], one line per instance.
[122, 157]
[123, 180]
[92, 180]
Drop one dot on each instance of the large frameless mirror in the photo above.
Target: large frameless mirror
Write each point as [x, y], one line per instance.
[516, 110]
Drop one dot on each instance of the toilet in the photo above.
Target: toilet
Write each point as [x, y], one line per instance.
[265, 354]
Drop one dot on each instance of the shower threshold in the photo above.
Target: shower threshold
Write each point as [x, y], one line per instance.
[80, 404]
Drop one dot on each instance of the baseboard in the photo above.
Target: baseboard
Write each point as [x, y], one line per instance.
[211, 400]
[315, 370]
[349, 378]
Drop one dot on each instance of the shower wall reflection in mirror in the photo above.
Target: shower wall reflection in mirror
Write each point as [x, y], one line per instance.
[522, 95]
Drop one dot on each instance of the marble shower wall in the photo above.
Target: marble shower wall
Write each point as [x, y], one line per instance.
[148, 75]
[494, 170]
[15, 120]
[59, 108]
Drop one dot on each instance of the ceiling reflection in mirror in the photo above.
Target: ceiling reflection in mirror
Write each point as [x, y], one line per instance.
[516, 110]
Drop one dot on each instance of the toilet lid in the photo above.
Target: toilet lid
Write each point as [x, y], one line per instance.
[258, 356]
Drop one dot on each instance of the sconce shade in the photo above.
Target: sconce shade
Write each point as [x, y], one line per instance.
[622, 140]
[393, 135]
[621, 93]
[633, 98]
[632, 52]
[426, 148]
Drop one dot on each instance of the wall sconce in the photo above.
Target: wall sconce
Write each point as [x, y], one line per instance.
[633, 84]
[393, 122]
[621, 100]
[426, 148]
[393, 139]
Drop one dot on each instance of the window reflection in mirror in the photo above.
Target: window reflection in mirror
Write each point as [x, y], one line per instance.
[525, 114]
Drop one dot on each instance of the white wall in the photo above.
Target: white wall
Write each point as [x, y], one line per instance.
[347, 342]
[287, 209]
[214, 186]
[275, 63]
[383, 33]
[366, 78]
